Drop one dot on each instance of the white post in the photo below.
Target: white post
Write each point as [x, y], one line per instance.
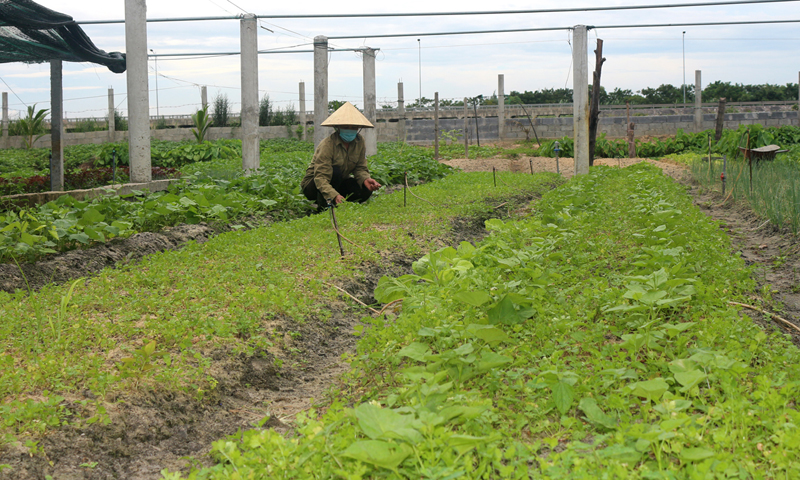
[401, 112]
[56, 128]
[6, 140]
[698, 102]
[320, 87]
[370, 101]
[249, 48]
[501, 107]
[138, 101]
[580, 99]
[112, 122]
[303, 111]
[203, 96]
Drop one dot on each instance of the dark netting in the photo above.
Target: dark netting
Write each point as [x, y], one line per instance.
[30, 32]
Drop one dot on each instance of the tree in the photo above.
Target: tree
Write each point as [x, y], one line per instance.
[334, 105]
[222, 108]
[201, 122]
[265, 111]
[665, 93]
[32, 126]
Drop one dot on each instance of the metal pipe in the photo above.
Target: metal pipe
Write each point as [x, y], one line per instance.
[441, 14]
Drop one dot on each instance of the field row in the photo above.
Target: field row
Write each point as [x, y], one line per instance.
[594, 339]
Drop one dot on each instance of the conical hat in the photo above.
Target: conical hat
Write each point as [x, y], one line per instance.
[347, 114]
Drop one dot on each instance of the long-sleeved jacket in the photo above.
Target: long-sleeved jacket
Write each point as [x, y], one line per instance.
[331, 152]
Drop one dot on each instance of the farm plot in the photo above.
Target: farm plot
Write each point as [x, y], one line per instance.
[597, 338]
[126, 373]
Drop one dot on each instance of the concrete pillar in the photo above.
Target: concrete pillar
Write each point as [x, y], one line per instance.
[370, 101]
[501, 107]
[249, 47]
[436, 126]
[580, 99]
[698, 102]
[138, 91]
[303, 110]
[320, 88]
[466, 128]
[112, 122]
[798, 99]
[401, 113]
[6, 140]
[56, 127]
[203, 96]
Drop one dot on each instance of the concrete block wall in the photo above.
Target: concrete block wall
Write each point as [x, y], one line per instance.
[420, 130]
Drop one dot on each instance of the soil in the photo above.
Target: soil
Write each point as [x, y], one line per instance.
[152, 430]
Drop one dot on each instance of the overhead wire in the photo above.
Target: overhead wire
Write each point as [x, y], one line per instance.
[463, 13]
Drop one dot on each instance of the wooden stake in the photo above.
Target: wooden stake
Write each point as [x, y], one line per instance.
[594, 108]
[720, 120]
[336, 227]
[631, 142]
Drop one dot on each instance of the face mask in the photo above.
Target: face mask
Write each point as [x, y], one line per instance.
[347, 135]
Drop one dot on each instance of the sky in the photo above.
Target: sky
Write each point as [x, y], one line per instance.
[455, 66]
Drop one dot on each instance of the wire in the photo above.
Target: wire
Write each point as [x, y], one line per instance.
[545, 29]
[443, 14]
[15, 93]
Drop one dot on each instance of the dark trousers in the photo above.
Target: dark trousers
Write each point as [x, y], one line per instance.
[346, 186]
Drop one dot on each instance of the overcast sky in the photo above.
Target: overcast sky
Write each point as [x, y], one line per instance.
[455, 66]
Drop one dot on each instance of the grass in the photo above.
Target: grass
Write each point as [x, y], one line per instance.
[154, 324]
[773, 194]
[593, 339]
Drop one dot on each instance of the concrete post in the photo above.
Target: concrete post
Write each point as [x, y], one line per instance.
[112, 122]
[698, 102]
[580, 99]
[401, 112]
[466, 128]
[138, 91]
[436, 126]
[249, 57]
[501, 107]
[6, 140]
[56, 127]
[303, 111]
[370, 101]
[320, 88]
[203, 96]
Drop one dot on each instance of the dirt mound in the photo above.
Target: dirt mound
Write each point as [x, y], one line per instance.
[80, 263]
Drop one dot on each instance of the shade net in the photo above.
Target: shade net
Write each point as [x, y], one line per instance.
[30, 32]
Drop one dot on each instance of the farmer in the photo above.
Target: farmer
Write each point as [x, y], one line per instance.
[338, 170]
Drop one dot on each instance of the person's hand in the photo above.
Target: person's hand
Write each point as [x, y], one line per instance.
[339, 199]
[371, 184]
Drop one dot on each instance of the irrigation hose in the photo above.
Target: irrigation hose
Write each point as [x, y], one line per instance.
[354, 298]
[768, 314]
[336, 229]
[412, 193]
[732, 187]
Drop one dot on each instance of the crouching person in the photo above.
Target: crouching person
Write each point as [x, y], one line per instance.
[339, 170]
